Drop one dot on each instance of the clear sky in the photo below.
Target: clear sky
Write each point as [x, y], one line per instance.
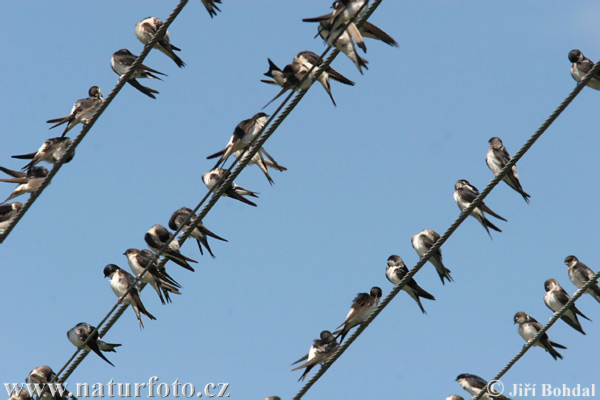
[363, 177]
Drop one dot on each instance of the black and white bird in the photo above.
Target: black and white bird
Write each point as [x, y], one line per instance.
[319, 352]
[147, 28]
[8, 212]
[44, 374]
[496, 159]
[120, 63]
[81, 332]
[556, 297]
[211, 7]
[475, 384]
[120, 282]
[362, 306]
[83, 110]
[581, 66]
[464, 194]
[293, 76]
[200, 232]
[580, 274]
[344, 44]
[157, 236]
[396, 270]
[259, 160]
[29, 181]
[212, 178]
[529, 328]
[158, 278]
[422, 242]
[52, 151]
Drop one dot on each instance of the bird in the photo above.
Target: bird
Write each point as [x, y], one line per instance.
[395, 272]
[474, 384]
[121, 61]
[200, 232]
[158, 278]
[556, 297]
[464, 194]
[8, 212]
[529, 328]
[81, 332]
[147, 28]
[157, 236]
[580, 274]
[263, 163]
[581, 66]
[52, 151]
[422, 242]
[319, 352]
[344, 44]
[212, 178]
[29, 181]
[120, 282]
[362, 306]
[496, 159]
[211, 6]
[454, 397]
[83, 110]
[243, 134]
[44, 374]
[293, 76]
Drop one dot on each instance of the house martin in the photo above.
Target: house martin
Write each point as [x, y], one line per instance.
[80, 333]
[396, 270]
[581, 66]
[496, 159]
[120, 63]
[199, 233]
[147, 28]
[362, 306]
[212, 178]
[319, 352]
[474, 384]
[156, 238]
[343, 44]
[211, 7]
[83, 110]
[529, 328]
[28, 182]
[556, 297]
[158, 278]
[262, 163]
[425, 240]
[44, 374]
[293, 76]
[52, 151]
[464, 194]
[580, 274]
[8, 212]
[120, 282]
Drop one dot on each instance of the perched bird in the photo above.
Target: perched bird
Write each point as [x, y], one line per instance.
[293, 76]
[211, 6]
[156, 238]
[44, 374]
[243, 134]
[81, 332]
[581, 66]
[262, 163]
[83, 110]
[28, 182]
[234, 191]
[319, 352]
[147, 28]
[396, 270]
[455, 397]
[157, 278]
[362, 306]
[474, 384]
[120, 282]
[425, 240]
[556, 298]
[529, 328]
[344, 44]
[8, 212]
[464, 194]
[496, 159]
[580, 274]
[199, 233]
[120, 63]
[52, 151]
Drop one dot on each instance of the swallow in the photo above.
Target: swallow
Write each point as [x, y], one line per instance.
[496, 159]
[581, 66]
[474, 384]
[580, 274]
[343, 44]
[211, 6]
[234, 191]
[44, 374]
[28, 182]
[158, 278]
[8, 212]
[199, 233]
[293, 76]
[425, 240]
[120, 282]
[362, 306]
[145, 31]
[156, 238]
[243, 134]
[262, 163]
[529, 327]
[319, 352]
[120, 63]
[556, 297]
[464, 194]
[396, 270]
[52, 151]
[83, 110]
[455, 397]
[81, 332]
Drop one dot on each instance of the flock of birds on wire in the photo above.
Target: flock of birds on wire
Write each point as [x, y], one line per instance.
[292, 77]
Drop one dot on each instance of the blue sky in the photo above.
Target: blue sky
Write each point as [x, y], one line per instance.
[362, 178]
